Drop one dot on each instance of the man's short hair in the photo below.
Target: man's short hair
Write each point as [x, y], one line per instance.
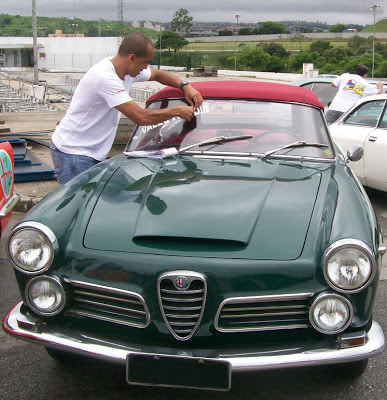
[135, 43]
[361, 70]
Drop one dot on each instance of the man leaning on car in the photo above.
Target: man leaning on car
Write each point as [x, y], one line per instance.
[352, 87]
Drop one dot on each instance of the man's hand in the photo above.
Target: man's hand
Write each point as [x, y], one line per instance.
[185, 112]
[193, 97]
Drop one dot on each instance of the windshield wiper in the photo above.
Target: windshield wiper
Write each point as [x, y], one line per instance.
[172, 151]
[295, 144]
[215, 140]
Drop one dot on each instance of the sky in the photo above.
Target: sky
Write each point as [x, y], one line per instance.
[250, 11]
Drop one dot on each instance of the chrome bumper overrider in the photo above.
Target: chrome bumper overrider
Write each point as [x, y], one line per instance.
[31, 329]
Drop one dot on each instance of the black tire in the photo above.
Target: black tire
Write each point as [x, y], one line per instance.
[351, 370]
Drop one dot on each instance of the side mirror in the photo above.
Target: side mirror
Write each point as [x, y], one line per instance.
[354, 153]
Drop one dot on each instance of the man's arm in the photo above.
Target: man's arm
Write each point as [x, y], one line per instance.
[193, 97]
[147, 116]
[380, 87]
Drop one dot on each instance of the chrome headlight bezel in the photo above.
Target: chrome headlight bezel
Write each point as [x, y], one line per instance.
[326, 296]
[42, 231]
[54, 282]
[339, 246]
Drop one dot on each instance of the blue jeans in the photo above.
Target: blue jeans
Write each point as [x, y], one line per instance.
[68, 166]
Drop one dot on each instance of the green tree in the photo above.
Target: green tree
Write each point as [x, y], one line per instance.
[253, 59]
[296, 62]
[269, 27]
[5, 20]
[359, 45]
[381, 48]
[337, 28]
[320, 46]
[244, 31]
[181, 21]
[277, 64]
[225, 32]
[171, 40]
[275, 49]
[381, 70]
[338, 53]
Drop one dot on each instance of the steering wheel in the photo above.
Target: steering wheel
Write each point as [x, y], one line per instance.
[271, 131]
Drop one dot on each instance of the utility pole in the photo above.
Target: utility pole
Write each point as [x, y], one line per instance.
[373, 7]
[120, 23]
[35, 43]
[160, 47]
[236, 39]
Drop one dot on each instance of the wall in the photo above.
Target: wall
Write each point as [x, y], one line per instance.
[65, 52]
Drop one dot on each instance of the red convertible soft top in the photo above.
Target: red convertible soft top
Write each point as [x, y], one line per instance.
[244, 90]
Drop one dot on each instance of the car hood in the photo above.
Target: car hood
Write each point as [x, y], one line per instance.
[235, 209]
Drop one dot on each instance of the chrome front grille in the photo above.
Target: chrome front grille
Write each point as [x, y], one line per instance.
[108, 304]
[262, 313]
[182, 296]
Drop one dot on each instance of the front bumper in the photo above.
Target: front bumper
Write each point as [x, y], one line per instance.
[29, 328]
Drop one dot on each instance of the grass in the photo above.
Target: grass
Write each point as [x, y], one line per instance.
[230, 46]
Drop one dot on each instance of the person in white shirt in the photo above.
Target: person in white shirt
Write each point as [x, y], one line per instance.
[352, 87]
[86, 133]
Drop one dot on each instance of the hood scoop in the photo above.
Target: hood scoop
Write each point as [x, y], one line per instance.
[202, 211]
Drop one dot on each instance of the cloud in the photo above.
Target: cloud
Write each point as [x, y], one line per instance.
[250, 11]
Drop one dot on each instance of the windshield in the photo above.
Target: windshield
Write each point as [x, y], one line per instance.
[261, 126]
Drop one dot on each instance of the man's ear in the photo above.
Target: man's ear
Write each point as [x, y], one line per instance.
[131, 57]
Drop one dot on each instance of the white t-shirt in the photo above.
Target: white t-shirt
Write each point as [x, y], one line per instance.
[352, 87]
[91, 121]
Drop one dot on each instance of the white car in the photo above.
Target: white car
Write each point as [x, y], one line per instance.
[365, 125]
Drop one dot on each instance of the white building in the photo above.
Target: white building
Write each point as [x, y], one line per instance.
[56, 52]
[148, 25]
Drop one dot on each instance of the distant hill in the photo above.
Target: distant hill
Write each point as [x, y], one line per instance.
[17, 25]
[380, 26]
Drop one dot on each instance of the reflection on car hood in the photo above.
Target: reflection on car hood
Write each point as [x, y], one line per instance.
[218, 208]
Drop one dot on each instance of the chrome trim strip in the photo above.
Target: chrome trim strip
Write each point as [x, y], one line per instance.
[259, 299]
[106, 289]
[11, 203]
[105, 318]
[28, 328]
[110, 306]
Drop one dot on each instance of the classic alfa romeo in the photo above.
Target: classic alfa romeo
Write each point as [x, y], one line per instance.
[238, 241]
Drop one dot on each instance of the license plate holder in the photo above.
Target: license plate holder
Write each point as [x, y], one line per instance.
[178, 371]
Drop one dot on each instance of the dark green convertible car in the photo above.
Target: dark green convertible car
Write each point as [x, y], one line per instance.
[238, 241]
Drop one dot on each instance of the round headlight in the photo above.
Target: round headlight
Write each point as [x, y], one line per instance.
[348, 265]
[31, 248]
[331, 313]
[45, 295]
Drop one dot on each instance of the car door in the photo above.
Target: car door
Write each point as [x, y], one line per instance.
[375, 156]
[360, 127]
